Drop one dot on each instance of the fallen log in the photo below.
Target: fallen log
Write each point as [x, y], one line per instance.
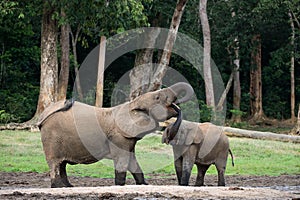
[20, 126]
[235, 132]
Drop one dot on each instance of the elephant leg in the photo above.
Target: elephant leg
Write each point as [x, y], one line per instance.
[120, 177]
[178, 169]
[221, 178]
[201, 173]
[136, 171]
[186, 171]
[63, 174]
[188, 161]
[58, 175]
[121, 163]
[221, 167]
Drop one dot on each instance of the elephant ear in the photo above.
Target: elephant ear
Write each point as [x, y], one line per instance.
[132, 122]
[194, 135]
[188, 134]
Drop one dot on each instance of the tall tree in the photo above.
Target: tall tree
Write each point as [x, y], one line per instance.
[208, 79]
[256, 81]
[236, 117]
[65, 59]
[49, 63]
[292, 67]
[167, 52]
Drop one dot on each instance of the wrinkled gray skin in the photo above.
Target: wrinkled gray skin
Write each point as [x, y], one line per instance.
[73, 132]
[202, 144]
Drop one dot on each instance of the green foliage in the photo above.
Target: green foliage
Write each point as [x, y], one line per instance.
[6, 117]
[237, 112]
[19, 60]
[20, 46]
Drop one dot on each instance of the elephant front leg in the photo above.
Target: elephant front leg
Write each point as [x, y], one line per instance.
[136, 171]
[120, 177]
[121, 166]
[178, 169]
[187, 165]
[186, 171]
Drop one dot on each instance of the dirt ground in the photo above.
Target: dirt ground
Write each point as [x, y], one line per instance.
[37, 186]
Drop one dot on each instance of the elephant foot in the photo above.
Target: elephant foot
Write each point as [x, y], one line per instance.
[120, 178]
[139, 179]
[143, 183]
[184, 184]
[58, 183]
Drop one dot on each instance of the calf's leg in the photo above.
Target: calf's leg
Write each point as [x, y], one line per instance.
[201, 173]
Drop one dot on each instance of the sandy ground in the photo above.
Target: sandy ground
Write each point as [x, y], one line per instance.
[37, 186]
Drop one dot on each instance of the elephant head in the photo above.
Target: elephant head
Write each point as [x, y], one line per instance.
[143, 113]
[171, 131]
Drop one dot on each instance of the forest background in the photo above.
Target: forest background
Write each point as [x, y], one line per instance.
[264, 32]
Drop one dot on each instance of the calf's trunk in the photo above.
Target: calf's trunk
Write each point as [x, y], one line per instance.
[174, 127]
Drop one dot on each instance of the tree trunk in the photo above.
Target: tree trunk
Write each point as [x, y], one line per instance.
[76, 66]
[209, 88]
[166, 55]
[292, 68]
[49, 66]
[257, 113]
[236, 95]
[296, 129]
[65, 60]
[236, 117]
[225, 92]
[140, 75]
[100, 77]
[143, 78]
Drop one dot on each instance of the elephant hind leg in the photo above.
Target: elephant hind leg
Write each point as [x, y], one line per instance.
[221, 171]
[201, 173]
[58, 174]
[63, 174]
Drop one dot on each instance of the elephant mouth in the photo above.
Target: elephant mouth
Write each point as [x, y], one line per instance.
[173, 109]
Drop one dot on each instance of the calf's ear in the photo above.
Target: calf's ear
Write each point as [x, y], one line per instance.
[191, 133]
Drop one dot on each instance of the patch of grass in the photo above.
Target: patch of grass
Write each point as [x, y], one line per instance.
[22, 152]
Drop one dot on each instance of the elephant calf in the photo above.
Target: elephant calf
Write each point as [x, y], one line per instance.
[202, 144]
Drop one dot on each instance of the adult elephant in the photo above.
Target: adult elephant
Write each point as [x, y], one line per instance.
[76, 133]
[202, 144]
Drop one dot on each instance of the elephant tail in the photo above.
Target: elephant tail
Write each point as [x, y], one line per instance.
[231, 154]
[58, 107]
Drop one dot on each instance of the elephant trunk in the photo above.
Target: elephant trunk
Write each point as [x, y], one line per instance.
[180, 88]
[173, 129]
